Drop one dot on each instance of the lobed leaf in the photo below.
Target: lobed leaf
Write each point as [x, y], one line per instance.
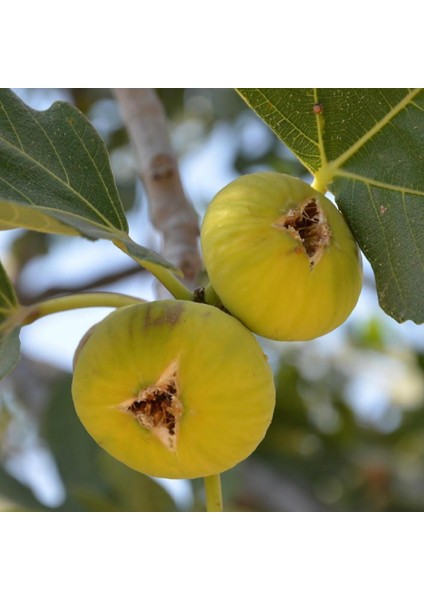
[367, 147]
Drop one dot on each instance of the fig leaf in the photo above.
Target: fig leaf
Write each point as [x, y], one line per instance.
[9, 335]
[366, 146]
[55, 177]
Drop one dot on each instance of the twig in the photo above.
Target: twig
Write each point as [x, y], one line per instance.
[98, 282]
[170, 211]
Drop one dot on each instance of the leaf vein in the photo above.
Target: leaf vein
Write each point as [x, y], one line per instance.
[62, 182]
[413, 236]
[106, 188]
[417, 106]
[12, 125]
[319, 123]
[338, 162]
[283, 118]
[27, 198]
[51, 144]
[386, 243]
[380, 184]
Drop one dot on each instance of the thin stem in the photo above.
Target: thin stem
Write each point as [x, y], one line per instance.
[94, 284]
[31, 313]
[211, 297]
[170, 282]
[162, 274]
[213, 493]
[318, 184]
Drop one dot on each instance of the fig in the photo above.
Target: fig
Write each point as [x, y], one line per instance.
[281, 257]
[173, 388]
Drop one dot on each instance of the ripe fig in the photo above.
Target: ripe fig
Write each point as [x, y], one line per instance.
[174, 389]
[281, 257]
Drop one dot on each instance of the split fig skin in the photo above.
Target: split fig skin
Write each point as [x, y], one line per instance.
[281, 257]
[174, 389]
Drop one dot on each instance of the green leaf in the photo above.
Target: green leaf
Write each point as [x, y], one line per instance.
[54, 171]
[146, 258]
[8, 300]
[9, 334]
[10, 351]
[367, 147]
[55, 177]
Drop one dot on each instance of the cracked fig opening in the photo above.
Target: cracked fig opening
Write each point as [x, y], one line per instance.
[308, 225]
[158, 409]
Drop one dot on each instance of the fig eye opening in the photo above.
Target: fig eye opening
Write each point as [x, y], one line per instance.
[158, 409]
[308, 225]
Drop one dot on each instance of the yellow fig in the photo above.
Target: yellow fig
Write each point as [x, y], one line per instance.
[281, 257]
[174, 389]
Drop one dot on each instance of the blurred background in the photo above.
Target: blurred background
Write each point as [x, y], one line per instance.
[348, 431]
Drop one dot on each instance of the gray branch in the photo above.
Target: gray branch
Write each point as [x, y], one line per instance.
[171, 212]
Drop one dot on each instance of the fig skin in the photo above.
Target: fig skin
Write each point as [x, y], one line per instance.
[224, 384]
[262, 270]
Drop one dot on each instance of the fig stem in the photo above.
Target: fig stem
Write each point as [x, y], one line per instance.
[319, 184]
[211, 297]
[31, 313]
[170, 282]
[213, 493]
[162, 274]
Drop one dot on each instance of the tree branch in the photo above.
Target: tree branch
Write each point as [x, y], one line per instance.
[97, 282]
[171, 213]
